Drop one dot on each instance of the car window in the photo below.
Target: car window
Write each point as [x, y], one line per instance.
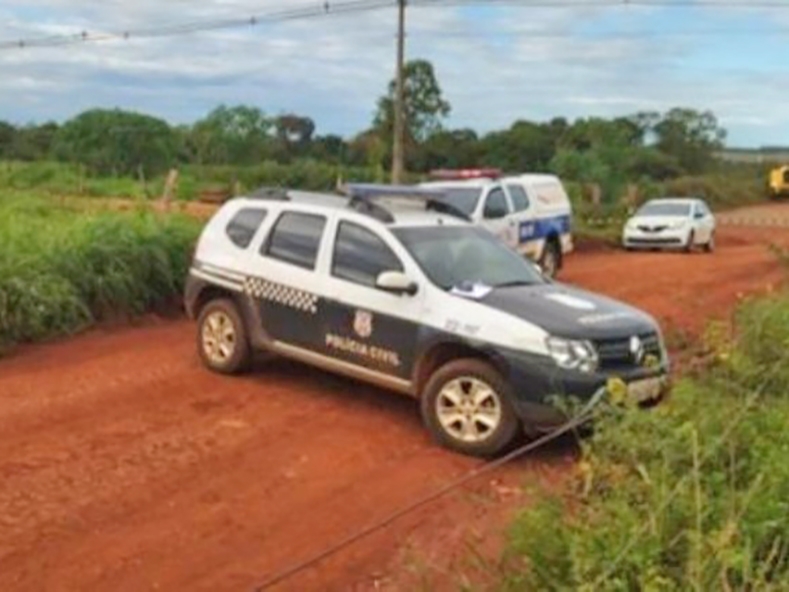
[520, 201]
[496, 205]
[452, 256]
[296, 239]
[360, 256]
[658, 208]
[242, 228]
[464, 198]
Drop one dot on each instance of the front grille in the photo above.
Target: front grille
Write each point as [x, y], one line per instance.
[616, 353]
[652, 228]
[654, 241]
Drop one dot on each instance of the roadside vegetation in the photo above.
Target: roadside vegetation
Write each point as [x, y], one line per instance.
[693, 495]
[610, 165]
[62, 270]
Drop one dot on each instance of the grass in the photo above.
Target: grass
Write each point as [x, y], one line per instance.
[62, 270]
[693, 495]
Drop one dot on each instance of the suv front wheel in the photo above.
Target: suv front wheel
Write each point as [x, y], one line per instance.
[221, 337]
[466, 406]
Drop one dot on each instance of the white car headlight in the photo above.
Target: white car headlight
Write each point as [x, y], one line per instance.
[573, 355]
[679, 224]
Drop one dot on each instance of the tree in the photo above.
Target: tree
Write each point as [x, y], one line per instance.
[117, 142]
[7, 135]
[526, 146]
[448, 149]
[34, 142]
[691, 137]
[232, 135]
[424, 109]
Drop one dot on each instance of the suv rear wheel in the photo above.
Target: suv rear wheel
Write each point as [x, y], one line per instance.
[466, 406]
[221, 337]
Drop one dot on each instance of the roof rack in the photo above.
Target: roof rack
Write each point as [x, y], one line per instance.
[270, 193]
[362, 196]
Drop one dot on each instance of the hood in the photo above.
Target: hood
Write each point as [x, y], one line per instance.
[572, 313]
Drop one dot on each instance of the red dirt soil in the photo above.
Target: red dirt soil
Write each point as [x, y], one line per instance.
[124, 465]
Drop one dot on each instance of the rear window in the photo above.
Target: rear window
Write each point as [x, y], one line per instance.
[244, 225]
[296, 239]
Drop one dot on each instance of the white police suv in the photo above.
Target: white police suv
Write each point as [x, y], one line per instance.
[393, 286]
[531, 213]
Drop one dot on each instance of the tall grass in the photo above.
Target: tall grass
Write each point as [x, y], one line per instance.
[691, 496]
[62, 270]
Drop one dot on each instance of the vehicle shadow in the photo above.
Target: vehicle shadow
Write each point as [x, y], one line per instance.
[381, 405]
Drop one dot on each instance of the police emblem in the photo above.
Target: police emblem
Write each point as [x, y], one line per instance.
[363, 324]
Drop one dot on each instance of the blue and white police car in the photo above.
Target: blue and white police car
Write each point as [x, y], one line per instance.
[531, 213]
[395, 287]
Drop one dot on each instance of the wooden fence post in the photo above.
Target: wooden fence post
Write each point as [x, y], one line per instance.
[170, 186]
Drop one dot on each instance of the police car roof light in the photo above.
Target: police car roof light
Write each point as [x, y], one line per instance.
[463, 174]
[363, 194]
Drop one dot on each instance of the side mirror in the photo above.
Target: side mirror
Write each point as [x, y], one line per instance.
[699, 215]
[396, 282]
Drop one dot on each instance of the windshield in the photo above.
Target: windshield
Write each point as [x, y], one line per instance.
[657, 208]
[452, 256]
[463, 198]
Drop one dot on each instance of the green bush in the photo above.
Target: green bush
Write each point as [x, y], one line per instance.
[61, 271]
[691, 495]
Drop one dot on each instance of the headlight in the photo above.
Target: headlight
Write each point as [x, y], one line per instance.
[573, 355]
[678, 224]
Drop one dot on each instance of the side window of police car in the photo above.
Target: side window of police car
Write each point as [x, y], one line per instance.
[360, 256]
[496, 205]
[244, 225]
[296, 239]
[520, 200]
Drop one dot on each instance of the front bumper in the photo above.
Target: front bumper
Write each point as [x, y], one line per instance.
[664, 239]
[538, 385]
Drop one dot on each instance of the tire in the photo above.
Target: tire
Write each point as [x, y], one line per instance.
[222, 337]
[710, 246]
[459, 379]
[691, 242]
[551, 259]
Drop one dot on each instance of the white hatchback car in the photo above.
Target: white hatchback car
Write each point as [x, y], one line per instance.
[671, 223]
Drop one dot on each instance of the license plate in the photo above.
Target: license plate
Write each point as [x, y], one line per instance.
[642, 391]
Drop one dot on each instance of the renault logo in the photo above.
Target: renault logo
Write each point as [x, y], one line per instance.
[637, 349]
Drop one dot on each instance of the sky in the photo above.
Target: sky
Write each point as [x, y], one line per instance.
[497, 62]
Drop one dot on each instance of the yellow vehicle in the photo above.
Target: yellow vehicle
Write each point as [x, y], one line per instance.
[779, 182]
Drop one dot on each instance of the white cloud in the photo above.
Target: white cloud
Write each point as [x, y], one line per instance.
[495, 66]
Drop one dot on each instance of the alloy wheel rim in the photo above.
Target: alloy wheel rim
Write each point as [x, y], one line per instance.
[469, 410]
[219, 337]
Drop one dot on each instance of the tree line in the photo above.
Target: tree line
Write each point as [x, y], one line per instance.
[656, 146]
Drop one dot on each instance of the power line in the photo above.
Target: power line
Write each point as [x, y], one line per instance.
[330, 8]
[313, 10]
[572, 425]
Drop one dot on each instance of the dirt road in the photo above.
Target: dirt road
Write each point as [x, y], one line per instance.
[125, 466]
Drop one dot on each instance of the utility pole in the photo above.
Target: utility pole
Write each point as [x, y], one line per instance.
[398, 149]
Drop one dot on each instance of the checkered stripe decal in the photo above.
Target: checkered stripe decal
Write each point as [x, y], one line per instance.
[284, 295]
